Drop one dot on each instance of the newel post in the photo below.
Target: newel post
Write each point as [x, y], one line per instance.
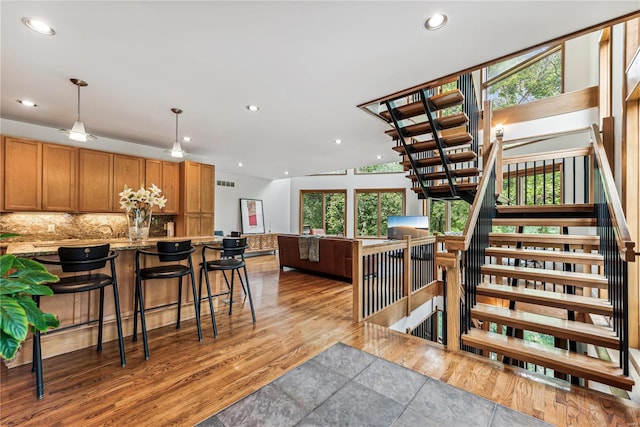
[450, 262]
[356, 280]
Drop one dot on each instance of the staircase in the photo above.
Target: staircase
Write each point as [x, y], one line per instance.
[550, 284]
[435, 130]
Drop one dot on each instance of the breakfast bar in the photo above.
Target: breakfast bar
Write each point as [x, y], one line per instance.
[160, 298]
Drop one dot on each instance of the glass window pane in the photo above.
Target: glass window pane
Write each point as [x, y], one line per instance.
[542, 79]
[381, 168]
[334, 215]
[459, 215]
[500, 67]
[367, 214]
[312, 209]
[437, 218]
[390, 204]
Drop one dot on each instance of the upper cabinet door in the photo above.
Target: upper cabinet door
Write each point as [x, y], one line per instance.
[96, 181]
[207, 184]
[171, 186]
[59, 173]
[191, 187]
[23, 175]
[129, 171]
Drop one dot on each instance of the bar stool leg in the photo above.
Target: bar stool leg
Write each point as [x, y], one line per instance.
[213, 317]
[196, 302]
[179, 301]
[101, 319]
[143, 323]
[246, 278]
[116, 302]
[134, 337]
[230, 292]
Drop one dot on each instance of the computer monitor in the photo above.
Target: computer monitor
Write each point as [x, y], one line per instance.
[412, 225]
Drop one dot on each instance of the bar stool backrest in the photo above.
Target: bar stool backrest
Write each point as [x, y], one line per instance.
[85, 253]
[233, 247]
[166, 248]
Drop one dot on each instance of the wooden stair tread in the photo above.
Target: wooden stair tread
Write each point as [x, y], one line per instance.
[541, 222]
[459, 173]
[448, 141]
[463, 186]
[566, 329]
[443, 100]
[561, 360]
[569, 278]
[464, 156]
[546, 255]
[542, 239]
[546, 209]
[445, 122]
[553, 299]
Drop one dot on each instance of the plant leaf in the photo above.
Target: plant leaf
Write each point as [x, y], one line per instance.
[8, 346]
[28, 264]
[35, 277]
[35, 316]
[8, 287]
[13, 318]
[6, 263]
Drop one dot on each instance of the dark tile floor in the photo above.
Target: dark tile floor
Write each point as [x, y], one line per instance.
[343, 386]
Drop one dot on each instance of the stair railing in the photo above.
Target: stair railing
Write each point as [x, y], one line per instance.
[472, 243]
[615, 244]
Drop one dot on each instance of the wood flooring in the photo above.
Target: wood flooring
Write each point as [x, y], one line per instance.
[298, 316]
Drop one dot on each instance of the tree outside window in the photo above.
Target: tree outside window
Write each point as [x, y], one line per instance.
[524, 79]
[373, 207]
[324, 209]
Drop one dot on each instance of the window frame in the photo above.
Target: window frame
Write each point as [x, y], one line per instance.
[402, 191]
[324, 192]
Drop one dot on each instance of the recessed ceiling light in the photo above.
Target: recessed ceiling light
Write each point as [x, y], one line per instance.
[240, 164]
[435, 22]
[338, 141]
[253, 107]
[27, 103]
[38, 26]
[186, 139]
[286, 172]
[379, 156]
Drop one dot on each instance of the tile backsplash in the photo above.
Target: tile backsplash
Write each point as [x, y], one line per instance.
[38, 226]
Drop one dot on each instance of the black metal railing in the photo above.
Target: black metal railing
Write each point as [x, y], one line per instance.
[382, 280]
[470, 108]
[615, 265]
[431, 328]
[422, 272]
[559, 177]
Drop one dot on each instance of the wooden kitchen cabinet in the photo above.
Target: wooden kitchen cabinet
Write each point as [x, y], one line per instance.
[129, 171]
[59, 173]
[197, 186]
[165, 175]
[22, 175]
[96, 181]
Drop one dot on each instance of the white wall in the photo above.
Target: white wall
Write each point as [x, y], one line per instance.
[581, 62]
[274, 196]
[617, 98]
[350, 182]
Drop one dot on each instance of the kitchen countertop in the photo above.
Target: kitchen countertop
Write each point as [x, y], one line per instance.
[50, 247]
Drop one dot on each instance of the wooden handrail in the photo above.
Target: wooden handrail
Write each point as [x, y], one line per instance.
[550, 155]
[619, 223]
[462, 242]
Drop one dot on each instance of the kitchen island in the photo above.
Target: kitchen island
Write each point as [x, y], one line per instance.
[78, 308]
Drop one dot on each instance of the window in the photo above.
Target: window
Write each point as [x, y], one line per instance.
[392, 167]
[529, 77]
[324, 209]
[445, 216]
[373, 207]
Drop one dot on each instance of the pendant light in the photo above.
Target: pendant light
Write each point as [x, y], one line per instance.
[77, 132]
[176, 150]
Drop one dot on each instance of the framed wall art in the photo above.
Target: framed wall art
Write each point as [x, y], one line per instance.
[251, 216]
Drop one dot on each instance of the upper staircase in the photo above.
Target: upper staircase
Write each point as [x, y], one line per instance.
[435, 130]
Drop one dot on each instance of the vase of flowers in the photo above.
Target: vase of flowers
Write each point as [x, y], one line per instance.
[138, 205]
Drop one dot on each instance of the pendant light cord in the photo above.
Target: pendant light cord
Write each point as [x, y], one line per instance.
[78, 103]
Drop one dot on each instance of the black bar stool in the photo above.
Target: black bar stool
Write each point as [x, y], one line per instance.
[231, 259]
[167, 252]
[81, 259]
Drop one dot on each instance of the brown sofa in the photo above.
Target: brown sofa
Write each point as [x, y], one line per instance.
[334, 257]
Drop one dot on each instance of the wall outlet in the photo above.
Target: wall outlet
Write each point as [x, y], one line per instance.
[52, 228]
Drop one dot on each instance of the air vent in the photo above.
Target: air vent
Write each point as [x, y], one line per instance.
[225, 183]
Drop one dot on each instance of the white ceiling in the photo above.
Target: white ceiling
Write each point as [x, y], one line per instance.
[307, 64]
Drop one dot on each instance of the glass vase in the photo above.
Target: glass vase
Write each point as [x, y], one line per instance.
[139, 221]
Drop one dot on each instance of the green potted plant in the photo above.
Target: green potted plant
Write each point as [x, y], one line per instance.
[20, 279]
